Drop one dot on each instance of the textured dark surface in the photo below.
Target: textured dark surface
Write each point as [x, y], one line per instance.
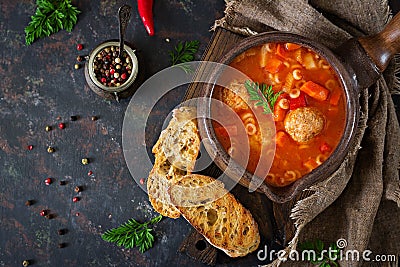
[38, 83]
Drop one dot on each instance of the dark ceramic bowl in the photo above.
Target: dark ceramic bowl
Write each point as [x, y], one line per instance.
[357, 63]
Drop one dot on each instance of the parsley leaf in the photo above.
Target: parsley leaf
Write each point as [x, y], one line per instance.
[183, 53]
[50, 17]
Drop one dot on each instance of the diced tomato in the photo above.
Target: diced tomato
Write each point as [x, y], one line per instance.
[325, 148]
[291, 46]
[298, 102]
[282, 52]
[274, 65]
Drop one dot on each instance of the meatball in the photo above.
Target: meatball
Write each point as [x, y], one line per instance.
[304, 123]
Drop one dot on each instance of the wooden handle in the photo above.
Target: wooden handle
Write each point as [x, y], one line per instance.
[383, 46]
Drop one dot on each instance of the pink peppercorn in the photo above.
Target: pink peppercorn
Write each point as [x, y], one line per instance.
[48, 181]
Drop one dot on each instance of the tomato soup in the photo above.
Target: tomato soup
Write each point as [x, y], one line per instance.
[305, 99]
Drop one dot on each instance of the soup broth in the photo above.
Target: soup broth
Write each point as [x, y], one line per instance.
[309, 112]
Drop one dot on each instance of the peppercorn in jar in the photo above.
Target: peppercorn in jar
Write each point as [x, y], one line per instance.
[111, 70]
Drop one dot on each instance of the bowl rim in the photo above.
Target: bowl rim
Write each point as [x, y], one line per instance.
[128, 82]
[221, 158]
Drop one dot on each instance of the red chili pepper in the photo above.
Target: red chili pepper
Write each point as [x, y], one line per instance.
[146, 14]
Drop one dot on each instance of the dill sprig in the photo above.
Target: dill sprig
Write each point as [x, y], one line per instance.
[50, 17]
[269, 99]
[132, 234]
[183, 53]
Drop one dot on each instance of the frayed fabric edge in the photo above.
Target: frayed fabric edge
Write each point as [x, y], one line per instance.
[246, 31]
[223, 23]
[396, 84]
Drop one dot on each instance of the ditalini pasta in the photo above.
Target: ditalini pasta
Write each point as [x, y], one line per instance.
[309, 114]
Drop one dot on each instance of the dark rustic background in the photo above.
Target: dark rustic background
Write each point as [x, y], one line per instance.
[39, 86]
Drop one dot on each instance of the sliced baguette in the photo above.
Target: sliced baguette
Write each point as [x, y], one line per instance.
[224, 222]
[175, 152]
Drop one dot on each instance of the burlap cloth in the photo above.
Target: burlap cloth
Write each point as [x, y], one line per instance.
[360, 201]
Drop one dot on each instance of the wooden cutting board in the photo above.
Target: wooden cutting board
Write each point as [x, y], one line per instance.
[275, 226]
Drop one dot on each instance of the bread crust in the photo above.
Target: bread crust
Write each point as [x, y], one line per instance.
[175, 152]
[223, 221]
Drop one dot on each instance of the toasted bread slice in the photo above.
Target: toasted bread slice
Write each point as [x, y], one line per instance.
[216, 214]
[175, 156]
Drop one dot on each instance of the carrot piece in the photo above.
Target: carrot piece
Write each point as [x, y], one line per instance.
[281, 51]
[335, 97]
[273, 65]
[315, 90]
[281, 138]
[279, 113]
[291, 46]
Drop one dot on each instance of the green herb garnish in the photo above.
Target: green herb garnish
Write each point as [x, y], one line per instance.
[50, 17]
[269, 99]
[321, 256]
[183, 53]
[132, 234]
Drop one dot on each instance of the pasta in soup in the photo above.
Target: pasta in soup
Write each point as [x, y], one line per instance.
[306, 101]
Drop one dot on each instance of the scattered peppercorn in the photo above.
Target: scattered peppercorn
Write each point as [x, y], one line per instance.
[48, 128]
[77, 214]
[85, 161]
[73, 118]
[48, 181]
[94, 118]
[61, 125]
[50, 149]
[30, 147]
[29, 203]
[63, 182]
[79, 47]
[62, 245]
[49, 216]
[89, 173]
[77, 189]
[75, 199]
[58, 118]
[79, 58]
[43, 213]
[61, 231]
[25, 263]
[77, 66]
